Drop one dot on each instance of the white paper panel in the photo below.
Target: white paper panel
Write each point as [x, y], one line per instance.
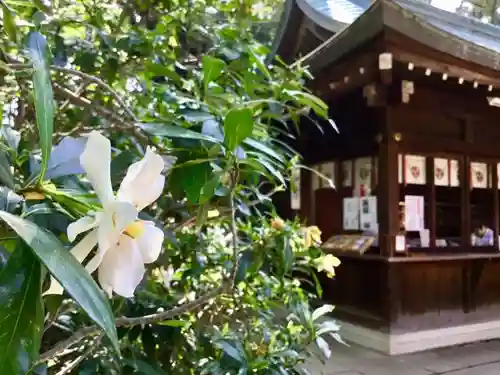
[479, 175]
[368, 213]
[415, 169]
[400, 168]
[351, 213]
[347, 173]
[441, 172]
[498, 178]
[414, 213]
[328, 170]
[363, 176]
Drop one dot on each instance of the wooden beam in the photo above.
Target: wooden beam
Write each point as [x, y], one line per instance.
[354, 73]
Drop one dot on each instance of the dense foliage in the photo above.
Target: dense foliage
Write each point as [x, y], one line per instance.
[190, 81]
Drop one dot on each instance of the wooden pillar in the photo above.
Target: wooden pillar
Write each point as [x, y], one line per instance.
[465, 203]
[431, 200]
[465, 183]
[494, 185]
[388, 186]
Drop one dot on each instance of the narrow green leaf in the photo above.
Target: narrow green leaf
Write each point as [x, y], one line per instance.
[324, 346]
[42, 90]
[169, 131]
[309, 100]
[21, 312]
[265, 149]
[6, 177]
[212, 69]
[174, 323]
[231, 350]
[66, 269]
[9, 23]
[238, 125]
[320, 311]
[288, 256]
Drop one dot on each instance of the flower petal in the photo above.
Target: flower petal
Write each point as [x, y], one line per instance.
[65, 158]
[81, 225]
[96, 161]
[113, 221]
[85, 246]
[122, 268]
[150, 242]
[54, 288]
[144, 182]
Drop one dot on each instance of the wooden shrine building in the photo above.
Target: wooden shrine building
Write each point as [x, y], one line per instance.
[413, 91]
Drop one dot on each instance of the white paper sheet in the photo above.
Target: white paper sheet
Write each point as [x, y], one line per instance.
[368, 213]
[414, 213]
[351, 213]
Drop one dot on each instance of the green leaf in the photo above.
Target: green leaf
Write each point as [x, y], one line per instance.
[9, 23]
[265, 149]
[191, 180]
[212, 69]
[142, 367]
[174, 323]
[311, 101]
[169, 131]
[42, 90]
[288, 256]
[238, 125]
[21, 312]
[324, 346]
[231, 350]
[208, 190]
[6, 177]
[320, 311]
[66, 269]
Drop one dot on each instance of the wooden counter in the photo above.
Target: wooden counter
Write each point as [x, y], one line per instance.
[416, 292]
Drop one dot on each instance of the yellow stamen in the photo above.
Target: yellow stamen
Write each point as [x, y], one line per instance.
[136, 229]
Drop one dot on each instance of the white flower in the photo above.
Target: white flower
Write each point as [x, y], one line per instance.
[125, 244]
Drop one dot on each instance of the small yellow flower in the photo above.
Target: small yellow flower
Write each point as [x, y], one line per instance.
[278, 224]
[327, 263]
[34, 196]
[312, 236]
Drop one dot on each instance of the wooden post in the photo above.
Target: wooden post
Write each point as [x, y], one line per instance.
[431, 200]
[388, 186]
[465, 203]
[494, 186]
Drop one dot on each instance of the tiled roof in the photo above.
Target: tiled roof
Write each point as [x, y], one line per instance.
[334, 14]
[355, 21]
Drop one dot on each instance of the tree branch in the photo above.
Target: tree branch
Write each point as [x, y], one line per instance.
[86, 77]
[101, 83]
[118, 122]
[61, 347]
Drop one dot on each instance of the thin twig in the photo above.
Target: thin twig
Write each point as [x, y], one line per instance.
[124, 322]
[118, 122]
[101, 83]
[72, 365]
[87, 77]
[227, 211]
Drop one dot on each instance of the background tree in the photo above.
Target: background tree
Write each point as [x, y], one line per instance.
[189, 80]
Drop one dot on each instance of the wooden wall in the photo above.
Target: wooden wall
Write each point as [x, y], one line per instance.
[423, 292]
